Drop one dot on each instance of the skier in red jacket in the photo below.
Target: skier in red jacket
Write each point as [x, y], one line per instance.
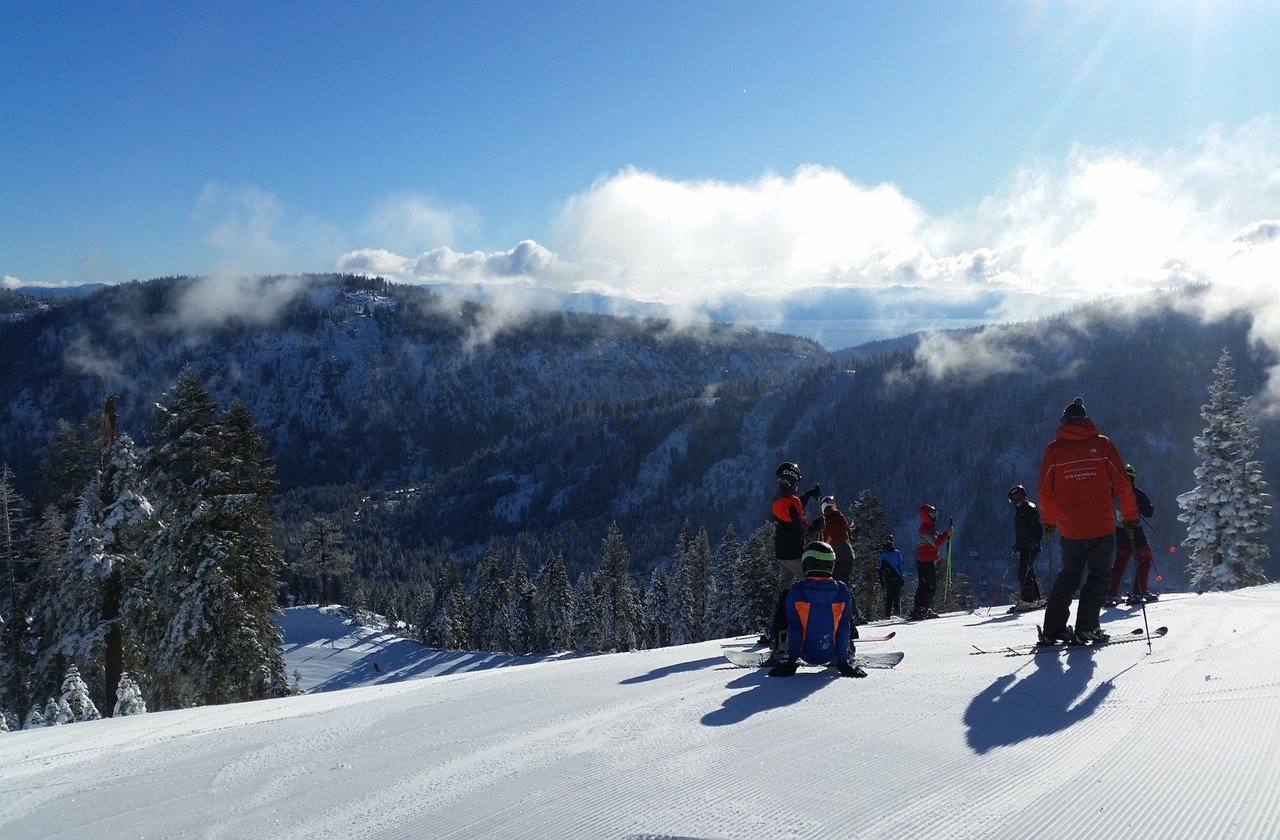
[928, 543]
[1080, 475]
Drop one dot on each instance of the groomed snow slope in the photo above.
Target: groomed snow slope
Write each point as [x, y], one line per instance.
[1181, 742]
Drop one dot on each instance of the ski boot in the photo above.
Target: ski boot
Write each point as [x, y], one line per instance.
[1049, 638]
[1096, 636]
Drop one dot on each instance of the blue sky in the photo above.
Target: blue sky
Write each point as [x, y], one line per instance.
[1027, 153]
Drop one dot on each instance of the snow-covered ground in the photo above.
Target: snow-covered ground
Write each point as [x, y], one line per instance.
[1179, 742]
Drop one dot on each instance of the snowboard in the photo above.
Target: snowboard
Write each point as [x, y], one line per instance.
[757, 659]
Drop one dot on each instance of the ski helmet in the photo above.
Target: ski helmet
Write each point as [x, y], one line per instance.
[1017, 488]
[818, 559]
[928, 512]
[788, 472]
[828, 502]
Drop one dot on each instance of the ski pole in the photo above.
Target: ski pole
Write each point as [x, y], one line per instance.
[1128, 532]
[995, 593]
[1158, 536]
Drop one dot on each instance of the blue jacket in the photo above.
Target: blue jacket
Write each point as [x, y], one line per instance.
[818, 620]
[892, 560]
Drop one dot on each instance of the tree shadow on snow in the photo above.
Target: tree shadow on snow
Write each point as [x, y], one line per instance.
[668, 670]
[1052, 698]
[764, 693]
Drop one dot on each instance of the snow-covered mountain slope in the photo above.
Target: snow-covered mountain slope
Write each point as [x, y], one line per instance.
[325, 649]
[1178, 741]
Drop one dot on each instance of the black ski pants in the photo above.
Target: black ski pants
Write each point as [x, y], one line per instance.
[1028, 586]
[927, 581]
[1078, 556]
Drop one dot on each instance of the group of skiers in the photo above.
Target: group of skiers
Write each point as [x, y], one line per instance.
[815, 618]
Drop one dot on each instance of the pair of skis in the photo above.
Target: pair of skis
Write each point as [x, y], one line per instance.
[1137, 635]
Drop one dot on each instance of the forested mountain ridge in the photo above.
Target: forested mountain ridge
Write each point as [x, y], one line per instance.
[427, 427]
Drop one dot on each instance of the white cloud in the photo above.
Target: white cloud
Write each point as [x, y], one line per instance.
[219, 299]
[10, 282]
[408, 222]
[252, 232]
[1101, 223]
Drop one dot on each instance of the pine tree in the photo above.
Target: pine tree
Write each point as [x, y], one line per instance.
[522, 618]
[50, 546]
[682, 599]
[726, 571]
[870, 529]
[14, 661]
[1228, 514]
[587, 629]
[490, 602]
[760, 581]
[322, 558]
[94, 615]
[208, 592]
[76, 706]
[658, 609]
[450, 625]
[617, 602]
[555, 606]
[128, 698]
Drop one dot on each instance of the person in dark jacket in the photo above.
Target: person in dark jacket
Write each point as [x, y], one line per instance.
[1081, 475]
[1126, 548]
[929, 542]
[893, 573]
[791, 530]
[1026, 544]
[819, 610]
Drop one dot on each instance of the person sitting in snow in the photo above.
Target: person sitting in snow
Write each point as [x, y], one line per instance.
[818, 611]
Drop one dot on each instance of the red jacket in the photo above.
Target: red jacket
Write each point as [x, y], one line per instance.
[1079, 474]
[929, 540]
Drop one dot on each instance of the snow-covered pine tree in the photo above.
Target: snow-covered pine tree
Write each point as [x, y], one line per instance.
[78, 705]
[128, 698]
[555, 606]
[15, 662]
[208, 590]
[49, 548]
[658, 610]
[682, 598]
[618, 600]
[450, 625]
[490, 601]
[725, 573]
[95, 615]
[587, 629]
[521, 612]
[760, 582]
[249, 664]
[870, 527]
[323, 559]
[1228, 514]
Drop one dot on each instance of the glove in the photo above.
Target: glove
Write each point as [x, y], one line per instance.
[848, 670]
[1048, 529]
[786, 668]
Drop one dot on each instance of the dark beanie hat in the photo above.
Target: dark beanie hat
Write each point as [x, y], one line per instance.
[1075, 411]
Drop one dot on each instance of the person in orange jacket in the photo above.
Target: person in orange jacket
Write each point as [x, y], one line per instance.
[1080, 475]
